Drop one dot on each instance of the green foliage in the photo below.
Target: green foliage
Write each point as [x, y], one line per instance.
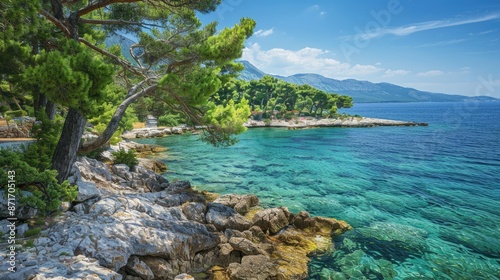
[32, 167]
[32, 232]
[225, 121]
[30, 243]
[73, 77]
[125, 157]
[272, 98]
[16, 113]
[47, 133]
[47, 192]
[103, 112]
[146, 105]
[169, 120]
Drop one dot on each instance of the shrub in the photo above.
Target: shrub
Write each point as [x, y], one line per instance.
[32, 232]
[30, 243]
[123, 157]
[47, 192]
[16, 113]
[169, 120]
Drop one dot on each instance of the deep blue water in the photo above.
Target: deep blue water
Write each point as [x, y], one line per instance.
[423, 201]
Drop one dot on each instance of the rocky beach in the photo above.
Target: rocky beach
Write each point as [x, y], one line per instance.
[132, 223]
[298, 123]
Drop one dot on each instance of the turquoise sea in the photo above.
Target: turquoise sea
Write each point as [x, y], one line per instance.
[424, 201]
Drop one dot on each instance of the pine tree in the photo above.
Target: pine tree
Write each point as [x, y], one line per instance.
[178, 62]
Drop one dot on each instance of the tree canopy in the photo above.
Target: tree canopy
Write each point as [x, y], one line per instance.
[59, 61]
[269, 97]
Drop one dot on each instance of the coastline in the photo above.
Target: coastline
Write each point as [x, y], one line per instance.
[132, 223]
[298, 123]
[349, 122]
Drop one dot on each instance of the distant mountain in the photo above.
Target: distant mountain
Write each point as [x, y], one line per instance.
[362, 91]
[124, 42]
[251, 72]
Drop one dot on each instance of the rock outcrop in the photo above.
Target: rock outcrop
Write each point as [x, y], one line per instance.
[134, 224]
[309, 122]
[153, 132]
[17, 130]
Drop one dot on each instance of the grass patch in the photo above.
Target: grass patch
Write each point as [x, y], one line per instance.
[32, 232]
[30, 243]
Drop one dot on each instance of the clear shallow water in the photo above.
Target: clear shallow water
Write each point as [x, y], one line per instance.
[424, 201]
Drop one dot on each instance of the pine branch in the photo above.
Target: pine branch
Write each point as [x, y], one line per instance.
[117, 116]
[55, 21]
[117, 22]
[122, 62]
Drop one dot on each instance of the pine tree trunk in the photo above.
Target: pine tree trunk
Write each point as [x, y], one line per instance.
[50, 110]
[72, 131]
[65, 152]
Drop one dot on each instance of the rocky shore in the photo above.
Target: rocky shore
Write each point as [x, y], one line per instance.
[340, 122]
[133, 224]
[299, 123]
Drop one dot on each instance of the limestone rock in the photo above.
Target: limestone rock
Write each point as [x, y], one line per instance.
[178, 187]
[91, 170]
[195, 211]
[240, 203]
[177, 130]
[272, 220]
[160, 267]
[184, 276]
[122, 171]
[22, 229]
[245, 246]
[152, 164]
[86, 191]
[224, 217]
[140, 226]
[319, 225]
[302, 220]
[107, 156]
[21, 212]
[137, 267]
[256, 267]
[74, 267]
[118, 227]
[155, 133]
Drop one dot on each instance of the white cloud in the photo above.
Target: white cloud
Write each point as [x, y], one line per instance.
[392, 73]
[465, 70]
[431, 73]
[442, 43]
[307, 60]
[316, 9]
[422, 26]
[483, 32]
[263, 33]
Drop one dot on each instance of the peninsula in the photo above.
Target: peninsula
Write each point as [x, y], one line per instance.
[327, 122]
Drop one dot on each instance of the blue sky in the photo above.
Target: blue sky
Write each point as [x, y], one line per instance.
[440, 46]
